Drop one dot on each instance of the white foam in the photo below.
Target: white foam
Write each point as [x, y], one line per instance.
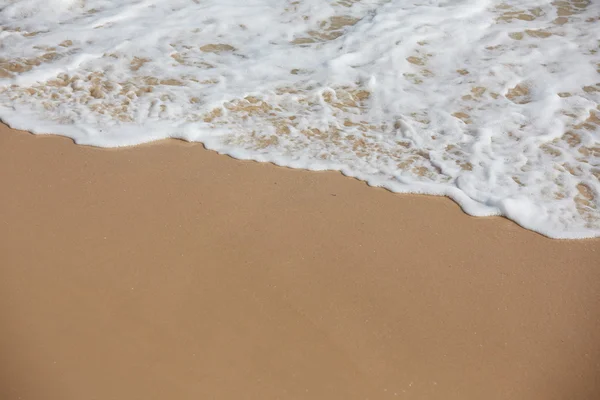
[492, 103]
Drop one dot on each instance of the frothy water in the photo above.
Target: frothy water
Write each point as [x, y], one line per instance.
[492, 103]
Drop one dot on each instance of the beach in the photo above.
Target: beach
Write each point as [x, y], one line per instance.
[169, 271]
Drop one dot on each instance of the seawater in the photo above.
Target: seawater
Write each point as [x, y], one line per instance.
[492, 103]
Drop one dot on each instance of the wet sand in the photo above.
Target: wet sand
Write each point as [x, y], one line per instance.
[166, 271]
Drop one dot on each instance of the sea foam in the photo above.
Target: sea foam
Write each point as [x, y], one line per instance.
[492, 103]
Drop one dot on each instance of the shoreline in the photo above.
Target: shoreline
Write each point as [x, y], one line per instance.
[167, 270]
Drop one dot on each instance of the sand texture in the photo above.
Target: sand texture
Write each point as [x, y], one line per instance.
[166, 271]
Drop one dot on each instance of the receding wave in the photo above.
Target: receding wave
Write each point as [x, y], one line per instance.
[492, 103]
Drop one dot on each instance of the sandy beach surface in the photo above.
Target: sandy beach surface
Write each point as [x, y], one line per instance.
[166, 271]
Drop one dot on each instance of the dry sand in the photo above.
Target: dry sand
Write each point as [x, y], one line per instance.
[166, 271]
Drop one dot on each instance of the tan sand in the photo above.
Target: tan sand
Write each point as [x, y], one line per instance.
[166, 271]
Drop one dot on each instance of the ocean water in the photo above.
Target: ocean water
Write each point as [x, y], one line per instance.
[494, 103]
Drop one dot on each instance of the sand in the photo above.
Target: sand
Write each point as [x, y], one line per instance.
[166, 271]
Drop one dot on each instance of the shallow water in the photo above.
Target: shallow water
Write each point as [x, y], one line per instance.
[492, 103]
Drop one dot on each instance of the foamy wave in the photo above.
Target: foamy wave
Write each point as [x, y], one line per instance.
[492, 103]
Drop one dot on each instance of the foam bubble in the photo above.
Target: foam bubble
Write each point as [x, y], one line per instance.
[492, 103]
